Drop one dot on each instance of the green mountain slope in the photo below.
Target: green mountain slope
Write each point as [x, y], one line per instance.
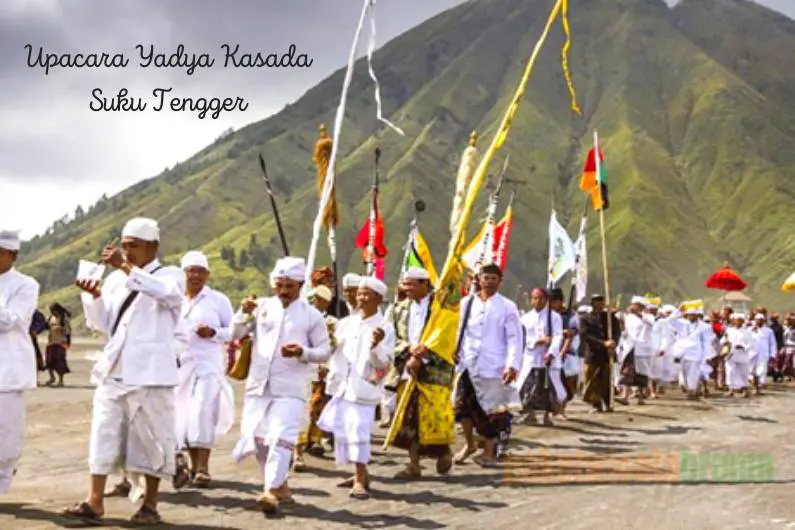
[699, 152]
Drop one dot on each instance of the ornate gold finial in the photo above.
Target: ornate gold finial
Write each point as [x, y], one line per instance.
[473, 138]
[323, 131]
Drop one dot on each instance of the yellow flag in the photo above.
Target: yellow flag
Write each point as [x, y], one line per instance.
[440, 334]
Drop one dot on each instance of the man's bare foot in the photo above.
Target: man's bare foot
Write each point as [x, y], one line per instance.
[409, 472]
[269, 503]
[464, 453]
[444, 463]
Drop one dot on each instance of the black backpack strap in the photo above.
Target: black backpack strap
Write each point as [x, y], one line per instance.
[126, 305]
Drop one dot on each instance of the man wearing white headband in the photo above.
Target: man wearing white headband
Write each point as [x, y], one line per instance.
[740, 342]
[350, 285]
[367, 345]
[137, 309]
[635, 353]
[765, 348]
[693, 345]
[289, 335]
[19, 296]
[205, 401]
[430, 397]
[663, 343]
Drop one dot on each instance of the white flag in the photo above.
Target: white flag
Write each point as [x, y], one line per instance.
[561, 251]
[581, 266]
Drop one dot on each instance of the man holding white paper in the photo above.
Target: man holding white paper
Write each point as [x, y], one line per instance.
[138, 309]
[19, 295]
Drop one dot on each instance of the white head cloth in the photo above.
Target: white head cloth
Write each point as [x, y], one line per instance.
[416, 273]
[290, 268]
[639, 300]
[321, 291]
[738, 316]
[9, 240]
[351, 280]
[194, 258]
[374, 284]
[142, 228]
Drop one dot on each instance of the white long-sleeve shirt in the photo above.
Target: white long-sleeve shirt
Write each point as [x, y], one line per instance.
[766, 347]
[742, 344]
[19, 296]
[142, 351]
[212, 308]
[272, 326]
[663, 337]
[492, 339]
[536, 326]
[638, 334]
[693, 340]
[360, 384]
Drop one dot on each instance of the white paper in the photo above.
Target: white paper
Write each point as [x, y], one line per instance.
[89, 270]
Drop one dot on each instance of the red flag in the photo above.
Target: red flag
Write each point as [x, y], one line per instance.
[363, 239]
[502, 237]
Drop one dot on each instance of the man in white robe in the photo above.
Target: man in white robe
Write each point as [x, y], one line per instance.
[692, 346]
[741, 343]
[133, 422]
[289, 337]
[489, 360]
[19, 295]
[540, 382]
[367, 345]
[663, 338]
[635, 353]
[205, 401]
[765, 349]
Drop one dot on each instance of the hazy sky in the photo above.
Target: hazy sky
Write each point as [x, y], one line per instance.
[56, 153]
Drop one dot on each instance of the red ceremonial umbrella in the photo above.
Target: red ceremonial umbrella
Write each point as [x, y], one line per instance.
[726, 279]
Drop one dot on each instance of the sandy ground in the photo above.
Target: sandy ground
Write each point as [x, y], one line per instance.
[721, 463]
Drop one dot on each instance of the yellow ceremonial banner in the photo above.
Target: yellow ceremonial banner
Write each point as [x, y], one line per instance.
[440, 334]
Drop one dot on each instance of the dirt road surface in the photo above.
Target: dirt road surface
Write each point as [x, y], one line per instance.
[721, 463]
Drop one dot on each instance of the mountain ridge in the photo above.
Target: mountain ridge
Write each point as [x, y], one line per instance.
[680, 124]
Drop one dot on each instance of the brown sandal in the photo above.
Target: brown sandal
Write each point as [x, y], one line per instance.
[122, 489]
[84, 513]
[202, 479]
[146, 516]
[359, 492]
[444, 463]
[182, 474]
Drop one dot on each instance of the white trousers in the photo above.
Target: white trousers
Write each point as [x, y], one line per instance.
[12, 435]
[557, 384]
[269, 429]
[737, 374]
[691, 374]
[352, 425]
[133, 428]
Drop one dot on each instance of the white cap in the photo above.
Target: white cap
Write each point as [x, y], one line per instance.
[9, 240]
[584, 309]
[141, 228]
[760, 316]
[289, 267]
[738, 316]
[351, 280]
[321, 291]
[373, 284]
[416, 273]
[194, 258]
[639, 300]
[668, 308]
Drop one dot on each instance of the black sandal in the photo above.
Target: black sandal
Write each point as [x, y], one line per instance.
[182, 476]
[146, 516]
[83, 512]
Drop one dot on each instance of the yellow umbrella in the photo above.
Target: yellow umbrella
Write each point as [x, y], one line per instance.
[789, 285]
